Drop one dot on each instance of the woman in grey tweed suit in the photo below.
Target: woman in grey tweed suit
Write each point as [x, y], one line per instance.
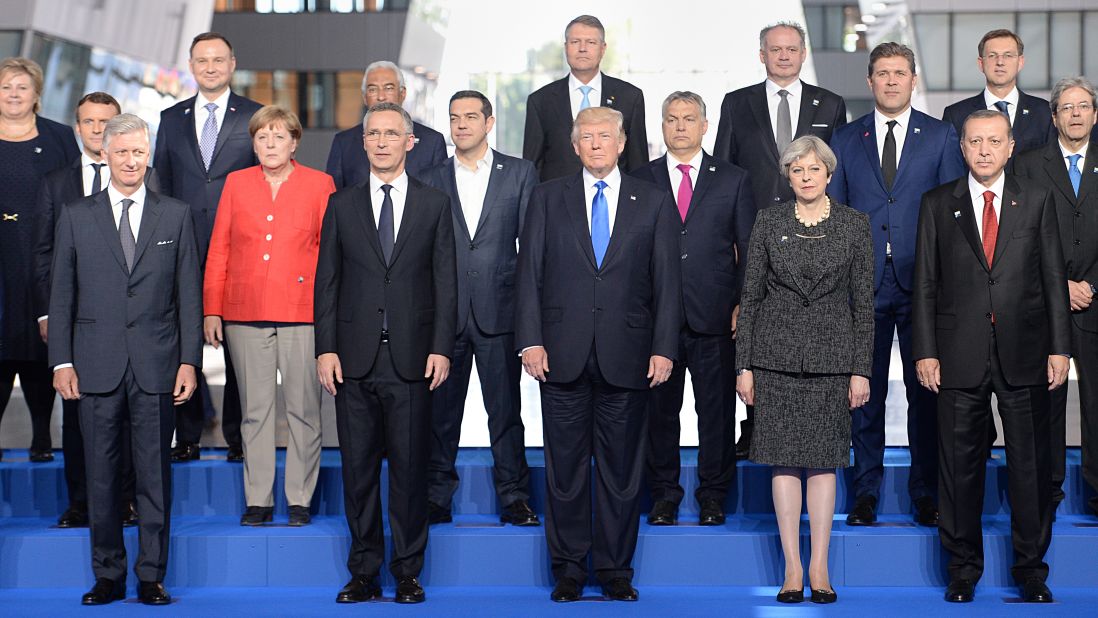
[805, 349]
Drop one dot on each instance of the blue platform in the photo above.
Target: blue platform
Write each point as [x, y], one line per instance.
[213, 557]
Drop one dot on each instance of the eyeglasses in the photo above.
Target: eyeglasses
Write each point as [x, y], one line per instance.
[1008, 56]
[390, 136]
[1068, 108]
[388, 88]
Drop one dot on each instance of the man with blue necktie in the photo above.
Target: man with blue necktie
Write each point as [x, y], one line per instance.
[597, 323]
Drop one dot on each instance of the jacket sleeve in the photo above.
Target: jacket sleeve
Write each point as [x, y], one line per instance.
[746, 210]
[1053, 276]
[666, 280]
[529, 181]
[840, 114]
[217, 256]
[952, 164]
[752, 295]
[836, 189]
[636, 145]
[188, 291]
[43, 249]
[62, 292]
[326, 284]
[335, 163]
[528, 278]
[162, 158]
[924, 297]
[444, 274]
[861, 298]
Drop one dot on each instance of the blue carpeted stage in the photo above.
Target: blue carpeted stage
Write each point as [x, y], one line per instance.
[477, 567]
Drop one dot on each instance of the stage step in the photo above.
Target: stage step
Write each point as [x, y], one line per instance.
[214, 487]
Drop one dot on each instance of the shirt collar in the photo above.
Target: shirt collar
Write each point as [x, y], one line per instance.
[116, 196]
[222, 101]
[773, 88]
[85, 160]
[596, 82]
[1067, 153]
[484, 162]
[400, 183]
[695, 161]
[612, 180]
[880, 120]
[1012, 98]
[976, 189]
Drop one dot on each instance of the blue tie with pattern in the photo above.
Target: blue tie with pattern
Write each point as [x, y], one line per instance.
[1004, 107]
[586, 102]
[208, 140]
[600, 223]
[1074, 174]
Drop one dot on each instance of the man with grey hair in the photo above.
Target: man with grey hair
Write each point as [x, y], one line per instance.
[1069, 167]
[384, 321]
[757, 123]
[126, 341]
[604, 309]
[716, 212]
[551, 109]
[382, 82]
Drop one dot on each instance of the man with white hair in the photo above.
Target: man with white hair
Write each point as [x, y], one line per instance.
[382, 82]
[126, 341]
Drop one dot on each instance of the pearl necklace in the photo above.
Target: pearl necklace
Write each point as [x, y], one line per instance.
[824, 216]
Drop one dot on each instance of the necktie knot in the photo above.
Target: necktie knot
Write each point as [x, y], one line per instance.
[1075, 160]
[892, 125]
[386, 189]
[989, 198]
[126, 203]
[684, 168]
[211, 107]
[783, 93]
[600, 185]
[586, 102]
[99, 166]
[1003, 106]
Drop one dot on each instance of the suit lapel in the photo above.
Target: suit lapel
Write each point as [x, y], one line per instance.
[965, 217]
[609, 93]
[623, 219]
[1089, 182]
[104, 218]
[191, 132]
[576, 205]
[809, 104]
[1010, 211]
[495, 179]
[365, 209]
[563, 105]
[449, 178]
[912, 147]
[757, 102]
[228, 125]
[705, 179]
[869, 144]
[76, 182]
[149, 218]
[784, 242]
[409, 221]
[1056, 169]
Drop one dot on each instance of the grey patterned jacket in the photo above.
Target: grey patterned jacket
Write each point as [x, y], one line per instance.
[800, 317]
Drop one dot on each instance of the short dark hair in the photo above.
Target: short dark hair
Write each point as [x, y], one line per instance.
[891, 49]
[587, 20]
[102, 98]
[998, 34]
[485, 104]
[210, 36]
[981, 114]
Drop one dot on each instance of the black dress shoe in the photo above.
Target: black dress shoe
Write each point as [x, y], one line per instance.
[438, 515]
[864, 512]
[663, 513]
[1035, 591]
[743, 445]
[186, 452]
[360, 588]
[257, 515]
[129, 515]
[73, 518]
[926, 512]
[519, 513]
[235, 453]
[824, 596]
[41, 456]
[712, 513]
[619, 589]
[299, 516]
[960, 591]
[791, 596]
[566, 590]
[409, 591]
[1093, 504]
[153, 593]
[104, 591]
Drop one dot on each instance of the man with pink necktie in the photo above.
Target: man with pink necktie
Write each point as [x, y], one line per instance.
[717, 210]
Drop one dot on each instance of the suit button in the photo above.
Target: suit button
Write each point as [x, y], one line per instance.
[806, 303]
[270, 217]
[777, 198]
[1076, 242]
[473, 273]
[1078, 214]
[891, 200]
[131, 293]
[683, 232]
[987, 315]
[266, 257]
[472, 246]
[598, 278]
[991, 282]
[268, 236]
[380, 311]
[387, 281]
[884, 228]
[683, 257]
[130, 325]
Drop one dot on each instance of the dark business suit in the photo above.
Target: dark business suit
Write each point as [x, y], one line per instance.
[183, 175]
[126, 333]
[60, 187]
[928, 159]
[384, 404]
[486, 261]
[348, 165]
[1078, 218]
[547, 138]
[1032, 126]
[992, 330]
[717, 227]
[599, 327]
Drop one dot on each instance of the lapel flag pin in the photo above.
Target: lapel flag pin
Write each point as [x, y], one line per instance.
[1013, 203]
[784, 238]
[956, 214]
[232, 109]
[37, 150]
[633, 197]
[916, 130]
[187, 111]
[815, 101]
[713, 169]
[1096, 170]
[499, 166]
[610, 100]
[1025, 112]
[866, 134]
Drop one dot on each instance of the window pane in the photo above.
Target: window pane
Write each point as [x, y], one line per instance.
[1090, 45]
[1033, 28]
[10, 43]
[968, 29]
[932, 35]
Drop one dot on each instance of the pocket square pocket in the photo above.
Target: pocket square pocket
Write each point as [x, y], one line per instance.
[819, 126]
[164, 242]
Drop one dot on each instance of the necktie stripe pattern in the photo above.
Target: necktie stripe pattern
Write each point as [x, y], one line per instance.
[208, 140]
[1074, 174]
[600, 223]
[888, 156]
[784, 131]
[686, 190]
[125, 234]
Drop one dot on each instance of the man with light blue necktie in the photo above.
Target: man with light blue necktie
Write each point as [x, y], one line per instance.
[1069, 166]
[597, 321]
[551, 109]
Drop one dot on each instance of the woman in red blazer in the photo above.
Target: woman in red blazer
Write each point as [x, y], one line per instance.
[259, 288]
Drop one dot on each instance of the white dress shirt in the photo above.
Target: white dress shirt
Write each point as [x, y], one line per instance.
[472, 185]
[575, 95]
[87, 172]
[200, 113]
[773, 99]
[1011, 99]
[900, 132]
[976, 193]
[399, 194]
[1082, 152]
[676, 175]
[613, 187]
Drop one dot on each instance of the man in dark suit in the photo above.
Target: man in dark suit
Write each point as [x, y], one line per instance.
[887, 160]
[87, 175]
[488, 193]
[385, 311]
[382, 82]
[716, 212]
[758, 122]
[1001, 59]
[201, 140]
[126, 321]
[549, 110]
[991, 316]
[1068, 167]
[603, 309]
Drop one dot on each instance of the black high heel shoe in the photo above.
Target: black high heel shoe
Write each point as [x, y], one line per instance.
[824, 596]
[791, 596]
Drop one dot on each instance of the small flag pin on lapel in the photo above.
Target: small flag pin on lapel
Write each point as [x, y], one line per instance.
[866, 134]
[1096, 170]
[916, 130]
[499, 166]
[1025, 112]
[187, 111]
[712, 168]
[232, 109]
[633, 197]
[784, 238]
[956, 214]
[37, 150]
[1013, 203]
[815, 102]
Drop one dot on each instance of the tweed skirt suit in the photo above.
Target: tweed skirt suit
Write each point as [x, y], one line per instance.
[806, 326]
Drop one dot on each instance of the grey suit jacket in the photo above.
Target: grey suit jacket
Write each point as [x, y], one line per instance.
[103, 318]
[486, 258]
[812, 324]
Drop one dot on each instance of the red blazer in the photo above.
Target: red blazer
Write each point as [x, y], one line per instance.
[262, 258]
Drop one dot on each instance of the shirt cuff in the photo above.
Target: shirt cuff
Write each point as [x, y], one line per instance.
[43, 318]
[530, 347]
[62, 366]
